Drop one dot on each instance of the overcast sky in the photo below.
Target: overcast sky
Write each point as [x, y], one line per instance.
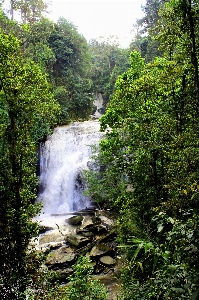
[95, 18]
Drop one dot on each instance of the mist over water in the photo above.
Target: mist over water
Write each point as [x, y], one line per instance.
[62, 158]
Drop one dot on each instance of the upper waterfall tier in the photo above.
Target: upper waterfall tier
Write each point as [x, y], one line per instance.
[62, 158]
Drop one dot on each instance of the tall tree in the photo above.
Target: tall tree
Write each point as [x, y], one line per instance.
[178, 34]
[147, 30]
[72, 84]
[30, 11]
[27, 111]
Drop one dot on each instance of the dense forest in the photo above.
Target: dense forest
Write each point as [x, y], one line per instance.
[146, 168]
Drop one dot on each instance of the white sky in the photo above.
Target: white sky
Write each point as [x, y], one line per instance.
[95, 18]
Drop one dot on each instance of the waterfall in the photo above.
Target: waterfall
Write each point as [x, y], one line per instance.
[62, 158]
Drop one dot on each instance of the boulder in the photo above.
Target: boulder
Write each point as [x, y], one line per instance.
[107, 260]
[96, 229]
[75, 220]
[64, 273]
[63, 255]
[99, 250]
[77, 240]
[96, 220]
[43, 228]
[106, 221]
[51, 245]
[84, 232]
[91, 220]
[51, 236]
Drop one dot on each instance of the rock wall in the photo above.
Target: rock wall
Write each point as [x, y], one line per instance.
[99, 106]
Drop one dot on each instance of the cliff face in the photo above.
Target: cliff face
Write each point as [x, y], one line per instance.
[99, 106]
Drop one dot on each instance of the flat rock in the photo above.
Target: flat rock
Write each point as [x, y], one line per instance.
[77, 240]
[51, 236]
[107, 260]
[106, 221]
[51, 245]
[60, 256]
[84, 232]
[99, 250]
[95, 228]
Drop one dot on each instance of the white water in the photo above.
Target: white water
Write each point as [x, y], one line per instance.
[62, 158]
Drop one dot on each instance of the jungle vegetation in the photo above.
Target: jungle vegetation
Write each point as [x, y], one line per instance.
[147, 165]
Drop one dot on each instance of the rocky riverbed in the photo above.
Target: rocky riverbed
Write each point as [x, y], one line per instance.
[88, 232]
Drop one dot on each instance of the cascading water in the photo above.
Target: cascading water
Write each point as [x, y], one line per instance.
[62, 158]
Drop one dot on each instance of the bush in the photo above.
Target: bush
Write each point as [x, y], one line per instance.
[81, 284]
[166, 268]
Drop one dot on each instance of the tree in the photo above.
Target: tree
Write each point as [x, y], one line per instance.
[144, 40]
[71, 79]
[148, 164]
[36, 45]
[28, 110]
[108, 62]
[30, 11]
[178, 34]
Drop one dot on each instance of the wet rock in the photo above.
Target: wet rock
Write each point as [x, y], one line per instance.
[96, 229]
[77, 240]
[75, 220]
[51, 236]
[64, 274]
[107, 260]
[96, 220]
[88, 211]
[84, 232]
[87, 221]
[61, 256]
[99, 250]
[43, 229]
[106, 221]
[51, 245]
[87, 234]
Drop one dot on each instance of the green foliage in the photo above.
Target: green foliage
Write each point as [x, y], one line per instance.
[30, 11]
[148, 161]
[36, 43]
[146, 31]
[168, 267]
[108, 62]
[61, 53]
[70, 76]
[82, 286]
[28, 110]
[150, 137]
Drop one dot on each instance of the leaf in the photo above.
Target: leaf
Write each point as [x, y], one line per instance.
[171, 220]
[155, 262]
[160, 227]
[141, 266]
[137, 251]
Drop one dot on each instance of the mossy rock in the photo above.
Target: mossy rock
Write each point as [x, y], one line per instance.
[75, 220]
